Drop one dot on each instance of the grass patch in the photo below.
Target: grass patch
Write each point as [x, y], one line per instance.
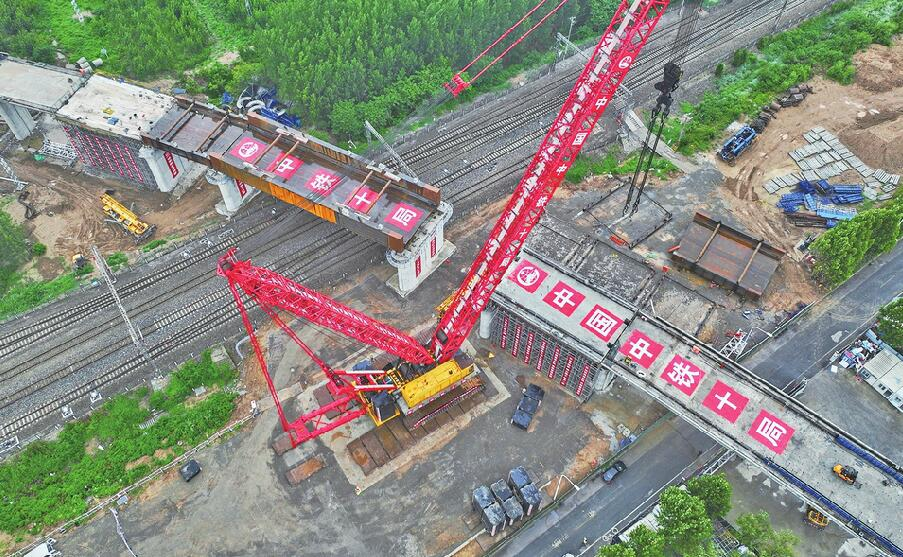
[822, 45]
[50, 482]
[153, 244]
[117, 260]
[26, 294]
[594, 165]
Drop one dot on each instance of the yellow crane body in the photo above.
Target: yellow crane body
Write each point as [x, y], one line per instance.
[139, 229]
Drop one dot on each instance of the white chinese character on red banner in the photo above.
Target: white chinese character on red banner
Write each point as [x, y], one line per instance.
[322, 182]
[683, 374]
[247, 149]
[404, 217]
[641, 349]
[363, 199]
[528, 276]
[563, 298]
[601, 323]
[284, 166]
[242, 187]
[771, 432]
[725, 401]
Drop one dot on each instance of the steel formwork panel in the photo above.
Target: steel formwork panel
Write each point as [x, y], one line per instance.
[549, 355]
[722, 253]
[115, 156]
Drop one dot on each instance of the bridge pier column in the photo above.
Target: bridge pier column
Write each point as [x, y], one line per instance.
[425, 252]
[235, 193]
[166, 167]
[485, 330]
[604, 380]
[18, 119]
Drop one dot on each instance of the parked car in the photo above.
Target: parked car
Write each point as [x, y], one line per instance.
[529, 404]
[189, 470]
[609, 475]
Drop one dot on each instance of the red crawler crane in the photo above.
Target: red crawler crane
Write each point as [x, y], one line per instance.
[419, 376]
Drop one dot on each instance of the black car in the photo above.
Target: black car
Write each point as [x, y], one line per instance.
[528, 406]
[613, 471]
[189, 470]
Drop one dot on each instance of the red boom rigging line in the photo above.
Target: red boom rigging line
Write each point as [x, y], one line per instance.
[458, 84]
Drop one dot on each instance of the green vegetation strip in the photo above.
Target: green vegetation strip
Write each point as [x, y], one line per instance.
[825, 44]
[890, 324]
[844, 249]
[53, 481]
[593, 165]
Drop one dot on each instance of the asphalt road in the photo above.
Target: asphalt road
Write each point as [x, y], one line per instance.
[803, 349]
[660, 459]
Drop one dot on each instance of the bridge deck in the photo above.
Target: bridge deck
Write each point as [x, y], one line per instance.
[728, 402]
[38, 86]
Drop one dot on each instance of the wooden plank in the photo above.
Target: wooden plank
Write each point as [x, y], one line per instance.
[387, 440]
[417, 433]
[360, 455]
[401, 434]
[373, 446]
[442, 419]
[455, 410]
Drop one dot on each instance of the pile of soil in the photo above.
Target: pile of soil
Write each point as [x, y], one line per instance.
[875, 138]
[878, 68]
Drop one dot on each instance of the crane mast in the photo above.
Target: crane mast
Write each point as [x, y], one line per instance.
[612, 58]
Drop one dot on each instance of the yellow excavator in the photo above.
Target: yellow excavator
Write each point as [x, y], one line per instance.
[115, 210]
[815, 518]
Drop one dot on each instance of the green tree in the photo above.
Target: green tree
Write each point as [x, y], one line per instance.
[38, 249]
[890, 324]
[714, 491]
[683, 521]
[646, 542]
[619, 550]
[755, 532]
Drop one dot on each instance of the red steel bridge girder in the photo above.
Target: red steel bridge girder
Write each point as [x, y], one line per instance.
[612, 58]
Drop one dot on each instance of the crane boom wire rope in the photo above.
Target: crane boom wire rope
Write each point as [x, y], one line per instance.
[458, 84]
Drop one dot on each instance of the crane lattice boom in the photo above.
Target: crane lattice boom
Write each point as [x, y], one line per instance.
[594, 89]
[274, 290]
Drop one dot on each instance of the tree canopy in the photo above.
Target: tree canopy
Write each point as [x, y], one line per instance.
[890, 324]
[683, 521]
[755, 532]
[842, 250]
[714, 491]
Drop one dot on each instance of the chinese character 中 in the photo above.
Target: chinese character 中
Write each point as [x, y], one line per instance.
[639, 349]
[682, 373]
[564, 298]
[771, 430]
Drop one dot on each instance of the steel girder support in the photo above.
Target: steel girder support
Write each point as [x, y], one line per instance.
[612, 58]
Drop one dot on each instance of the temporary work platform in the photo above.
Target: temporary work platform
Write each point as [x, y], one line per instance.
[727, 256]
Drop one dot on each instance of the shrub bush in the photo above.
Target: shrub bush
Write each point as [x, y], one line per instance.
[38, 249]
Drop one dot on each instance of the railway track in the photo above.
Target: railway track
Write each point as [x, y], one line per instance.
[217, 309]
[500, 119]
[217, 306]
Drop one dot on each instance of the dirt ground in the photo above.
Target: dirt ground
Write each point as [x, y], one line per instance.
[866, 116]
[70, 218]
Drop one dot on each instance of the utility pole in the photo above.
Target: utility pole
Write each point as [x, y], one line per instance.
[401, 164]
[137, 339]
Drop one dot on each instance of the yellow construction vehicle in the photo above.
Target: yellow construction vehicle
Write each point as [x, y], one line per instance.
[139, 230]
[815, 518]
[846, 473]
